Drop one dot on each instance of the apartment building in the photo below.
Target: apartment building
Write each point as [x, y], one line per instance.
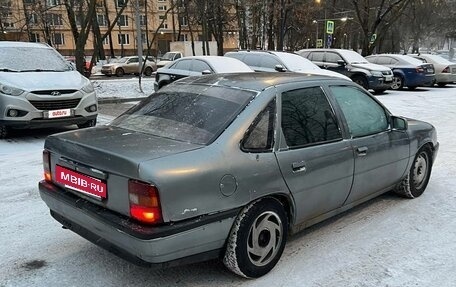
[47, 21]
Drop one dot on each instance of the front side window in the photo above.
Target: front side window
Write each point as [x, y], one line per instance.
[182, 65]
[333, 57]
[307, 118]
[363, 114]
[317, 56]
[200, 66]
[260, 135]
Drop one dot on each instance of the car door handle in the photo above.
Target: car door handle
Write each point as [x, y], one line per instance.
[299, 166]
[362, 151]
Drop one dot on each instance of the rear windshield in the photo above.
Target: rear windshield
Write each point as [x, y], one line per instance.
[25, 59]
[189, 113]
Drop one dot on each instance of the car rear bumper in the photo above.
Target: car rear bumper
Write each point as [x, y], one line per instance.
[445, 78]
[178, 243]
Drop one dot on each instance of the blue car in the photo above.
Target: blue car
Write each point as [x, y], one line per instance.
[407, 71]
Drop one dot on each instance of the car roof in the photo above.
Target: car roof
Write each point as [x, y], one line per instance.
[256, 81]
[220, 63]
[16, 44]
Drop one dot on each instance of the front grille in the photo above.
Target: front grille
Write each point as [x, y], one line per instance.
[49, 92]
[55, 105]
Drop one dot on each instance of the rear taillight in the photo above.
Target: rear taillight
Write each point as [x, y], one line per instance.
[144, 202]
[47, 165]
[419, 70]
[446, 70]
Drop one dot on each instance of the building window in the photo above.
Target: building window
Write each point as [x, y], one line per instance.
[123, 39]
[162, 8]
[142, 20]
[164, 26]
[34, 37]
[183, 37]
[55, 19]
[143, 39]
[102, 21]
[59, 39]
[8, 25]
[123, 21]
[29, 1]
[53, 2]
[121, 3]
[106, 41]
[33, 19]
[183, 21]
[161, 17]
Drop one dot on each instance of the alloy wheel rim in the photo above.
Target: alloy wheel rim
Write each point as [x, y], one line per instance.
[396, 83]
[265, 238]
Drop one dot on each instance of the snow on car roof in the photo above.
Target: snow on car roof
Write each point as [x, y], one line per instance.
[23, 44]
[223, 64]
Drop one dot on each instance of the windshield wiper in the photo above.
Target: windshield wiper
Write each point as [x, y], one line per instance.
[41, 70]
[8, 70]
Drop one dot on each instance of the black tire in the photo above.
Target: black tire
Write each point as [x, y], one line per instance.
[3, 132]
[88, 124]
[362, 81]
[251, 235]
[148, 71]
[398, 82]
[416, 181]
[379, 91]
[120, 72]
[441, 84]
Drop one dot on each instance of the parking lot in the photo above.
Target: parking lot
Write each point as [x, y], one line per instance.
[388, 241]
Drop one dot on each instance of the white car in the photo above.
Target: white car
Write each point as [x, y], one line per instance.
[44, 92]
[445, 71]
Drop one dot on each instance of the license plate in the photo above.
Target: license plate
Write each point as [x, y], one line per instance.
[59, 113]
[388, 78]
[80, 182]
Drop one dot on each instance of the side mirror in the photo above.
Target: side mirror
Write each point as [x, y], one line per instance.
[206, 72]
[341, 63]
[398, 124]
[280, 68]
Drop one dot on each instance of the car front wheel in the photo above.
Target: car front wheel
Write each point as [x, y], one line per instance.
[398, 82]
[119, 72]
[414, 184]
[148, 71]
[257, 238]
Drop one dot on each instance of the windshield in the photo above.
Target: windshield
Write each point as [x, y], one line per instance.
[26, 59]
[188, 113]
[353, 58]
[168, 56]
[296, 63]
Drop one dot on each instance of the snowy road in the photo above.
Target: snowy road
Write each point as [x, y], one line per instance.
[388, 241]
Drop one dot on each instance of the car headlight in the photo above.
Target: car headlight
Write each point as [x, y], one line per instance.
[12, 91]
[88, 88]
[376, 73]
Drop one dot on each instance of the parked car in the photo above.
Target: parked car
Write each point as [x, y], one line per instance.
[39, 88]
[197, 66]
[408, 72]
[168, 57]
[353, 65]
[445, 71]
[228, 165]
[128, 65]
[273, 61]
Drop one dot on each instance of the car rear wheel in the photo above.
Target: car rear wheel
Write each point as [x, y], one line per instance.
[360, 80]
[3, 132]
[88, 124]
[257, 238]
[379, 91]
[148, 71]
[441, 84]
[120, 72]
[414, 184]
[398, 82]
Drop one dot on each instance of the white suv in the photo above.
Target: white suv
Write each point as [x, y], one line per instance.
[39, 88]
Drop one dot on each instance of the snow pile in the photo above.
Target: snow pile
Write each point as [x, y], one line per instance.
[123, 88]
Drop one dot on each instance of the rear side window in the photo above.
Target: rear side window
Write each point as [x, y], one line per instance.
[260, 135]
[307, 118]
[333, 57]
[363, 114]
[383, 60]
[133, 60]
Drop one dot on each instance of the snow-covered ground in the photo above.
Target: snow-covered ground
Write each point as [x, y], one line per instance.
[388, 241]
[123, 88]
